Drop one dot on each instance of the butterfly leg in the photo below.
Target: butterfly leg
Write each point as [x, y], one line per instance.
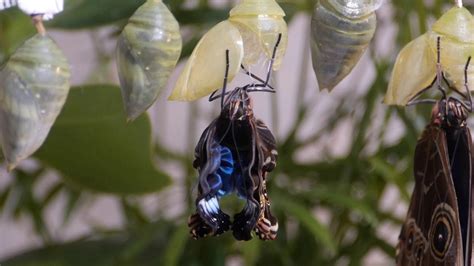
[265, 82]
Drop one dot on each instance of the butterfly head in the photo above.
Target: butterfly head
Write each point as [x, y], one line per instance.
[238, 105]
[450, 113]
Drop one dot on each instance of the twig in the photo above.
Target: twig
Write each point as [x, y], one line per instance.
[38, 22]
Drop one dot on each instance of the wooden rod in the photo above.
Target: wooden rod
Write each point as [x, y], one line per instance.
[38, 22]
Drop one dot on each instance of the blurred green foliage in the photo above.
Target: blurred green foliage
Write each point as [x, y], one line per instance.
[93, 117]
[348, 189]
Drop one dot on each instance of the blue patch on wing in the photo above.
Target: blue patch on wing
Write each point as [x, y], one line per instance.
[225, 172]
[220, 181]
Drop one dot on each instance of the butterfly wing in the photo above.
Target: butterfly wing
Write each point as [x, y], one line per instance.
[470, 255]
[247, 184]
[266, 143]
[212, 162]
[256, 215]
[267, 224]
[431, 234]
[459, 150]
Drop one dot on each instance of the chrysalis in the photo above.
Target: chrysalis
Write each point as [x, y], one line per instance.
[34, 85]
[147, 51]
[416, 62]
[340, 33]
[202, 74]
[260, 23]
[250, 32]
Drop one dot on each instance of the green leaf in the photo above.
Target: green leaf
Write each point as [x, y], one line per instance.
[52, 193]
[100, 252]
[194, 17]
[338, 198]
[251, 251]
[390, 174]
[92, 13]
[175, 246]
[142, 248]
[4, 195]
[302, 214]
[133, 213]
[92, 146]
[72, 202]
[15, 28]
[27, 203]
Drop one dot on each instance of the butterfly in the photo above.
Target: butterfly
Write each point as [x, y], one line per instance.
[438, 227]
[235, 154]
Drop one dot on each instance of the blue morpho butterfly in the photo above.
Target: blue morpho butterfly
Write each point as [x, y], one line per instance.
[234, 154]
[438, 227]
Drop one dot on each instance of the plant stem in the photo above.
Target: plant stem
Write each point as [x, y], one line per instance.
[38, 22]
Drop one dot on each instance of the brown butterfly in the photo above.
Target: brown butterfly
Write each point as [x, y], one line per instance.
[438, 227]
[234, 154]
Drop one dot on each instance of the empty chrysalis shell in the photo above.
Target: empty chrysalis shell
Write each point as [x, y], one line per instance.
[260, 22]
[205, 69]
[355, 8]
[34, 85]
[456, 29]
[341, 31]
[413, 71]
[415, 66]
[147, 52]
[251, 31]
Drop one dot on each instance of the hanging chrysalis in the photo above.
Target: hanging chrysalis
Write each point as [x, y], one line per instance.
[250, 32]
[260, 23]
[341, 31]
[202, 74]
[416, 62]
[147, 52]
[34, 85]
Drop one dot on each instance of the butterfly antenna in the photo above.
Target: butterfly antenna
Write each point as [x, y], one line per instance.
[438, 50]
[224, 86]
[439, 71]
